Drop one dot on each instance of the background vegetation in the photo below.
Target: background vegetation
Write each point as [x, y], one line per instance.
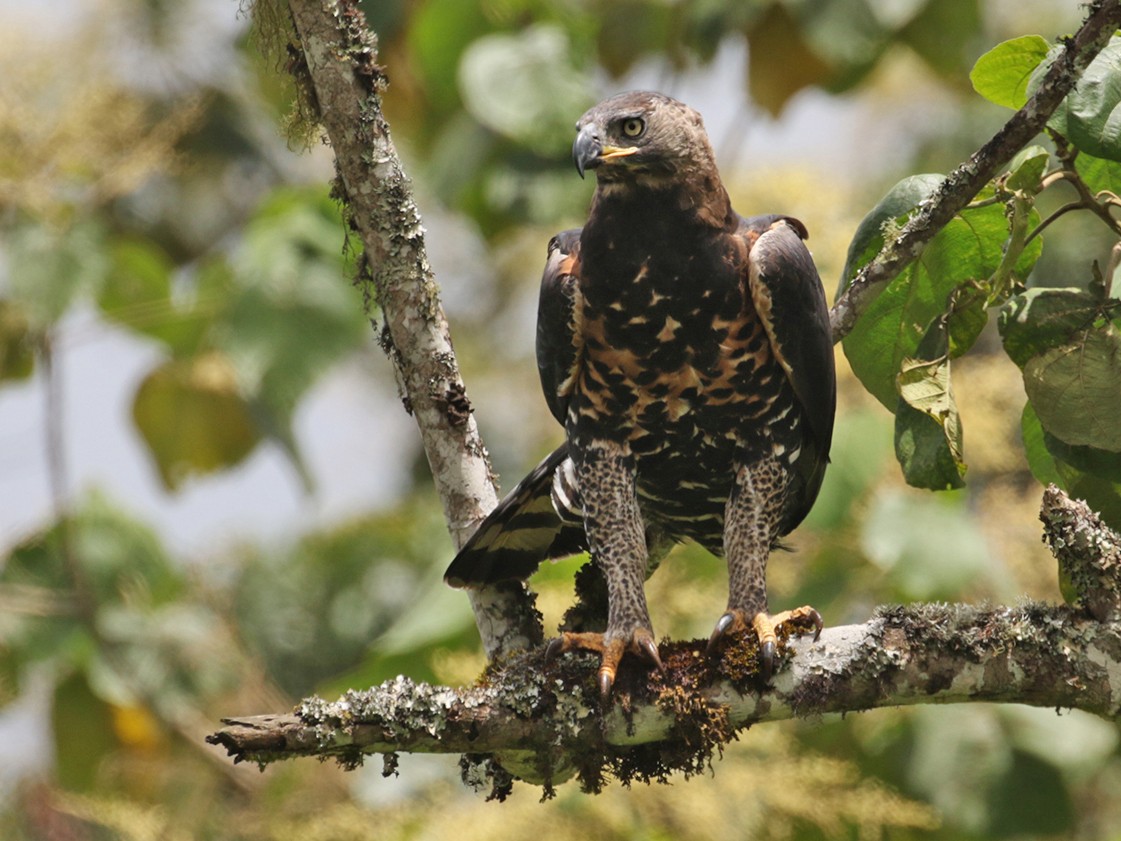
[212, 503]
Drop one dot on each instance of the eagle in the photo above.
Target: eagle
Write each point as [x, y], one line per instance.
[687, 353]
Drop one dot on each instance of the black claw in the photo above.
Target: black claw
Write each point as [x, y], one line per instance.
[606, 680]
[722, 625]
[649, 650]
[818, 624]
[766, 661]
[555, 647]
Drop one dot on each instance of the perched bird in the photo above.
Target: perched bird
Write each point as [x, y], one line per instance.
[686, 350]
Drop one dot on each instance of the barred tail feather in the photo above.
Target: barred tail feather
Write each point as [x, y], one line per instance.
[523, 530]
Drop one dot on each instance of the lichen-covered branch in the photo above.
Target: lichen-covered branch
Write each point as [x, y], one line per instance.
[343, 82]
[1088, 552]
[546, 723]
[963, 184]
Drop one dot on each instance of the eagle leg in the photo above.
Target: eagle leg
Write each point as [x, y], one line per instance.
[752, 520]
[617, 539]
[800, 620]
[611, 649]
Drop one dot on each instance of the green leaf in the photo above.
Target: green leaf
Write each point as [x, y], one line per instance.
[1040, 461]
[1026, 169]
[49, 268]
[193, 418]
[1076, 388]
[928, 434]
[1098, 173]
[965, 252]
[82, 728]
[287, 309]
[137, 294]
[1002, 74]
[899, 201]
[1093, 109]
[525, 86]
[1043, 318]
[17, 355]
[942, 34]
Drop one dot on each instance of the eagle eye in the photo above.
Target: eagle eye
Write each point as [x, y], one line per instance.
[633, 127]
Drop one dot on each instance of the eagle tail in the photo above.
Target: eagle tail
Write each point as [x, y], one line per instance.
[524, 529]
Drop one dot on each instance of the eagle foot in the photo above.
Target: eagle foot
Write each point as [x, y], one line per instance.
[611, 649]
[799, 620]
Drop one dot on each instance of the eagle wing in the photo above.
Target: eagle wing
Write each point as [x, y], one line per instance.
[525, 528]
[789, 299]
[557, 342]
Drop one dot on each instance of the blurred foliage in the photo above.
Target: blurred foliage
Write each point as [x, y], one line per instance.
[143, 185]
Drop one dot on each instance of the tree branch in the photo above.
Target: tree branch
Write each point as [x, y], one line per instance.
[340, 63]
[966, 181]
[544, 724]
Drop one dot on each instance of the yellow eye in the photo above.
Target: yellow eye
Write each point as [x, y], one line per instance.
[633, 127]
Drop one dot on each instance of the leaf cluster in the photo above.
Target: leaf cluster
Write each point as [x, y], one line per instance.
[1061, 333]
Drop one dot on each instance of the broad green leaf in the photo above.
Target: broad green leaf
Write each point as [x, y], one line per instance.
[1076, 388]
[1093, 108]
[1042, 318]
[921, 446]
[17, 356]
[1089, 460]
[1090, 475]
[900, 200]
[967, 318]
[82, 729]
[1090, 116]
[193, 417]
[1040, 461]
[966, 251]
[526, 86]
[1001, 75]
[1026, 169]
[780, 60]
[942, 34]
[49, 268]
[1098, 173]
[287, 309]
[928, 434]
[137, 294]
[137, 289]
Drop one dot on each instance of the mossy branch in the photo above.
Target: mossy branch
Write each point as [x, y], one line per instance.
[965, 182]
[544, 725]
[336, 68]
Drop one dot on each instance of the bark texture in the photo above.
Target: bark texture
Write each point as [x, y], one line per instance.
[343, 82]
[544, 724]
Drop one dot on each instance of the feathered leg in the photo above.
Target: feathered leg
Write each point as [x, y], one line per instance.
[617, 539]
[751, 525]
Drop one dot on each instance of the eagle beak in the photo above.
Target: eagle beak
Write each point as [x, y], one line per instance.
[586, 149]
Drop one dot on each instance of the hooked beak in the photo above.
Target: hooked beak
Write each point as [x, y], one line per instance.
[588, 150]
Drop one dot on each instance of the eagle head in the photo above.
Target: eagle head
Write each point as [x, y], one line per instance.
[641, 134]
